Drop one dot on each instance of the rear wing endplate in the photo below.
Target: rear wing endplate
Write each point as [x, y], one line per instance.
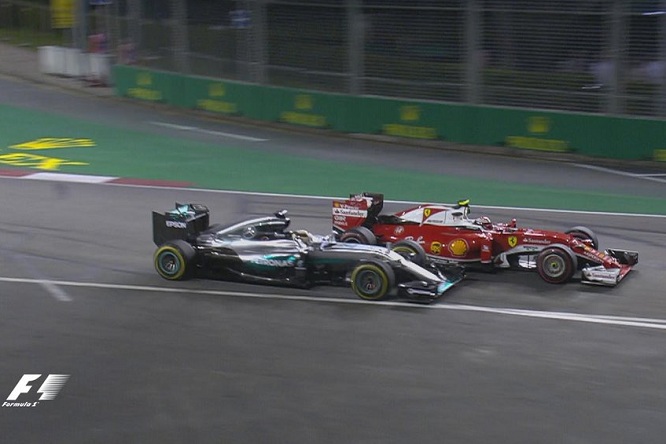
[184, 222]
[359, 209]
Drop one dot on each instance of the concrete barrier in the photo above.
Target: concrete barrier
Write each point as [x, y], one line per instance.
[72, 62]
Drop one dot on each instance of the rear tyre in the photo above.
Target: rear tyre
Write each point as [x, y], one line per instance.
[372, 281]
[411, 250]
[359, 235]
[174, 260]
[556, 265]
[584, 233]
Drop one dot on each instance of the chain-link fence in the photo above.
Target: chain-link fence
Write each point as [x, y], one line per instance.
[598, 56]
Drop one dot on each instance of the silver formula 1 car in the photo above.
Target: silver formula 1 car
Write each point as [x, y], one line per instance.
[263, 250]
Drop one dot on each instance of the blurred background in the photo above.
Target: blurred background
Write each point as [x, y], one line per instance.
[596, 56]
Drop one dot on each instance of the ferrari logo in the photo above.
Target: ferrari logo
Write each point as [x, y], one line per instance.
[513, 240]
[426, 213]
[436, 248]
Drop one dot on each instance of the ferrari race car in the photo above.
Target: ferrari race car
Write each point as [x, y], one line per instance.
[446, 234]
[261, 250]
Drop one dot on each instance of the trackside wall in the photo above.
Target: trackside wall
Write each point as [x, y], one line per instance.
[586, 134]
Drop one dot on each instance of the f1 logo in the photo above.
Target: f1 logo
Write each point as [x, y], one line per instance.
[48, 390]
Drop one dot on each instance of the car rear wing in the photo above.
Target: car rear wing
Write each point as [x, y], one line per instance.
[184, 222]
[359, 210]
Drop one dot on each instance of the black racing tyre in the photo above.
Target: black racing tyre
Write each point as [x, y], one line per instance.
[556, 265]
[372, 280]
[359, 235]
[411, 250]
[584, 233]
[174, 260]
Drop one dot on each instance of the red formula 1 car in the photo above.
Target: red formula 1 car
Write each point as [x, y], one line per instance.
[445, 234]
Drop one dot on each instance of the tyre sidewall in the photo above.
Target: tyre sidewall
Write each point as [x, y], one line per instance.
[359, 235]
[380, 271]
[413, 250]
[182, 252]
[568, 261]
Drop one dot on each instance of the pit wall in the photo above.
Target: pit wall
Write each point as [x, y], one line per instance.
[586, 134]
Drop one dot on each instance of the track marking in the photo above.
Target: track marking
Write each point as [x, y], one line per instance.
[50, 287]
[61, 177]
[205, 131]
[55, 291]
[651, 323]
[115, 182]
[622, 173]
[406, 202]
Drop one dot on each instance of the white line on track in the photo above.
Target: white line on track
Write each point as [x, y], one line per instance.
[407, 202]
[622, 173]
[205, 131]
[651, 323]
[55, 291]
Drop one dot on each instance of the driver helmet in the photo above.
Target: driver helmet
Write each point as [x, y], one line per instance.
[483, 221]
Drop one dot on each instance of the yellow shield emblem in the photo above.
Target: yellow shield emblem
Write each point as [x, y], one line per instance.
[458, 247]
[513, 241]
[426, 213]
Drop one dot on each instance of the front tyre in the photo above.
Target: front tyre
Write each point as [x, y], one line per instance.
[556, 265]
[372, 281]
[410, 250]
[583, 234]
[174, 260]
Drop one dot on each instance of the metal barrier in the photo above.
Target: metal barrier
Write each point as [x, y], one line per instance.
[606, 57]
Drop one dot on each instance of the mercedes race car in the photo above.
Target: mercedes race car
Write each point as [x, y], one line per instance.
[446, 234]
[262, 250]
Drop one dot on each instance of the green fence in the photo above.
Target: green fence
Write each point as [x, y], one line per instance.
[590, 135]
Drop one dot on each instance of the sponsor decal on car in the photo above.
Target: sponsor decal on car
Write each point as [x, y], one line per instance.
[436, 247]
[513, 241]
[349, 211]
[399, 229]
[175, 224]
[270, 261]
[458, 247]
[532, 240]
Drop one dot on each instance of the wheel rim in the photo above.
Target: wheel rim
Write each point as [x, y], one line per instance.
[168, 263]
[406, 252]
[554, 266]
[369, 282]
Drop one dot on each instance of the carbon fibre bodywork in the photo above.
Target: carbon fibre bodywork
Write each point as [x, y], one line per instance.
[262, 250]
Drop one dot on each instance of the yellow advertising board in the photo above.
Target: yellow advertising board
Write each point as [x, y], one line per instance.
[63, 13]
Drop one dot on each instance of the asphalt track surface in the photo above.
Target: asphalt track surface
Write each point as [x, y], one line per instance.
[502, 357]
